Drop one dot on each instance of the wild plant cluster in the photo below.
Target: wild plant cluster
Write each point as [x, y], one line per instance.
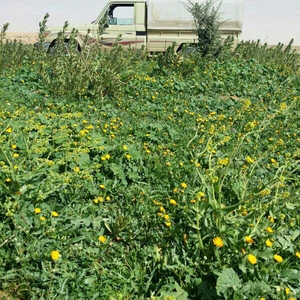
[123, 177]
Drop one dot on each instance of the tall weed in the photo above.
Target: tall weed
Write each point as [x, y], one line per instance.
[280, 55]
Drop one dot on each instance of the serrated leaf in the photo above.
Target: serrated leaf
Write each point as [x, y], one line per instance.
[228, 279]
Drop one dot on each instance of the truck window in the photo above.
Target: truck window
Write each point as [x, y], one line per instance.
[119, 14]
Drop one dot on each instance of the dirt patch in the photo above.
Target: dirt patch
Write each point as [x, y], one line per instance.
[24, 37]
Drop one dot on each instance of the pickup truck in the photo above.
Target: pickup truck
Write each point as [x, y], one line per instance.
[152, 24]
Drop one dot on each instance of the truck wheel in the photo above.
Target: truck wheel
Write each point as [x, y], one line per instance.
[53, 47]
[185, 49]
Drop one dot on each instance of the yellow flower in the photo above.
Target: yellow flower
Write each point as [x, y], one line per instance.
[292, 298]
[173, 202]
[247, 103]
[128, 156]
[218, 242]
[273, 160]
[16, 155]
[269, 243]
[42, 218]
[107, 156]
[9, 130]
[13, 146]
[168, 224]
[252, 259]
[249, 240]
[7, 180]
[37, 210]
[298, 254]
[269, 229]
[287, 291]
[283, 106]
[265, 192]
[76, 169]
[223, 161]
[249, 160]
[107, 198]
[162, 209]
[98, 199]
[102, 186]
[193, 201]
[156, 202]
[200, 195]
[167, 217]
[278, 258]
[102, 239]
[55, 255]
[184, 185]
[125, 148]
[54, 214]
[262, 299]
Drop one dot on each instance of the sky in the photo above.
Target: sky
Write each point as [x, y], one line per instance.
[271, 21]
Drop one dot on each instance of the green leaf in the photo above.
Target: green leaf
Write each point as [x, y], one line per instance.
[255, 288]
[267, 254]
[77, 239]
[180, 293]
[228, 280]
[84, 160]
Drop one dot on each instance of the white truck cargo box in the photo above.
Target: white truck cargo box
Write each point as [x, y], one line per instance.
[173, 14]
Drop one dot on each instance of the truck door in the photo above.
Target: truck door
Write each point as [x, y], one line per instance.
[120, 21]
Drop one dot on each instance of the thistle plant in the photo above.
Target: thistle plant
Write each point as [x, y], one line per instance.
[3, 32]
[42, 29]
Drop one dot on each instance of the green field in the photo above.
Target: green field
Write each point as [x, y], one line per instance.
[123, 177]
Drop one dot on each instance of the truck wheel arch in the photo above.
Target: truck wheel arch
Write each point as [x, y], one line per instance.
[185, 48]
[66, 41]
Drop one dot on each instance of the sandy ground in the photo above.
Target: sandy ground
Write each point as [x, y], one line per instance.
[31, 38]
[24, 37]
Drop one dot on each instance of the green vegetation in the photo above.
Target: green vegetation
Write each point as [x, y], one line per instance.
[207, 20]
[128, 178]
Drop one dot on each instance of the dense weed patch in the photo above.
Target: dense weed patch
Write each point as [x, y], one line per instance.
[128, 178]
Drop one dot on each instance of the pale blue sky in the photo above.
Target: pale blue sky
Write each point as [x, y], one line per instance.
[271, 21]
